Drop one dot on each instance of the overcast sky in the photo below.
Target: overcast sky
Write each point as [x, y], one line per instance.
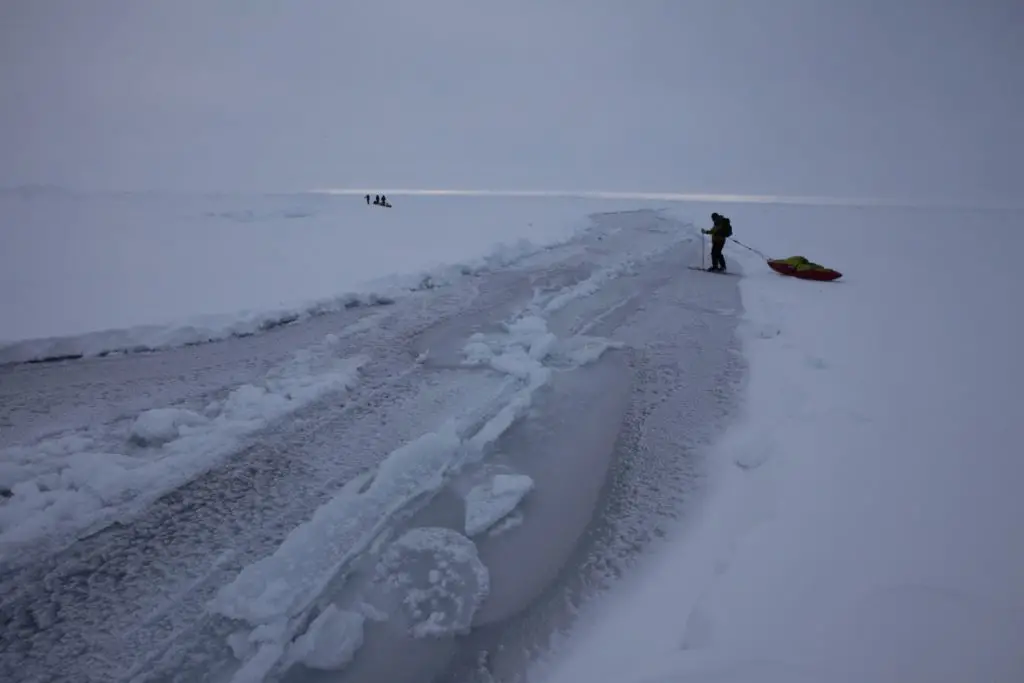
[906, 98]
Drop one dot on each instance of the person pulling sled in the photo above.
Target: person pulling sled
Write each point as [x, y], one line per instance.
[720, 231]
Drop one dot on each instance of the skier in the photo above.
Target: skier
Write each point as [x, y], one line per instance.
[367, 200]
[720, 231]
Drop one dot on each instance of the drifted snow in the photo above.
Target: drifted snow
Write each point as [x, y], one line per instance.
[490, 502]
[331, 641]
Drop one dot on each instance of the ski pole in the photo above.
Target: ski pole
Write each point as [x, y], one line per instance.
[759, 253]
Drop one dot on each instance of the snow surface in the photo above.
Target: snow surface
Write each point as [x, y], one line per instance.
[69, 482]
[93, 274]
[864, 518]
[865, 509]
[161, 444]
[491, 502]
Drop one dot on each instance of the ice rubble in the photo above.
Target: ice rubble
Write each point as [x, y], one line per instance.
[491, 502]
[331, 641]
[160, 425]
[434, 580]
[286, 582]
[280, 587]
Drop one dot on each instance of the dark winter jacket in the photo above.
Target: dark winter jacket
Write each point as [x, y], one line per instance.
[721, 229]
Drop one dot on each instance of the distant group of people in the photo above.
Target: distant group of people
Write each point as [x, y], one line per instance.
[378, 200]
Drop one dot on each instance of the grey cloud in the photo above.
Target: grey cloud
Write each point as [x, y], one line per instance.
[914, 98]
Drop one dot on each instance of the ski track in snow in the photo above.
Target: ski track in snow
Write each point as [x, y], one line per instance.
[231, 558]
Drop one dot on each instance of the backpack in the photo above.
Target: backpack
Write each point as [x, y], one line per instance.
[726, 226]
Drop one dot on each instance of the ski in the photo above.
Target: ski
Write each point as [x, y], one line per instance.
[717, 272]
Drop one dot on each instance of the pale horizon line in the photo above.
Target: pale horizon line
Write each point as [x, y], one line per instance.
[807, 200]
[612, 195]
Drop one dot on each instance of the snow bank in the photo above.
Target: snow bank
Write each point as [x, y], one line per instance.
[144, 272]
[188, 332]
[67, 483]
[864, 518]
[273, 593]
[491, 502]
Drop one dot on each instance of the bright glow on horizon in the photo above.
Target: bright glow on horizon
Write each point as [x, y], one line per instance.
[671, 197]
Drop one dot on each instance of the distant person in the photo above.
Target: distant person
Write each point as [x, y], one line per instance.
[720, 231]
[367, 200]
[376, 200]
[384, 201]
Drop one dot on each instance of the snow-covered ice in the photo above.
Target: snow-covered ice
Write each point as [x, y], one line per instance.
[860, 519]
[243, 411]
[284, 585]
[66, 483]
[492, 501]
[864, 509]
[301, 255]
[197, 329]
[286, 582]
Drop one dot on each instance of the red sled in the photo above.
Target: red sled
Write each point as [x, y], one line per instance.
[820, 274]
